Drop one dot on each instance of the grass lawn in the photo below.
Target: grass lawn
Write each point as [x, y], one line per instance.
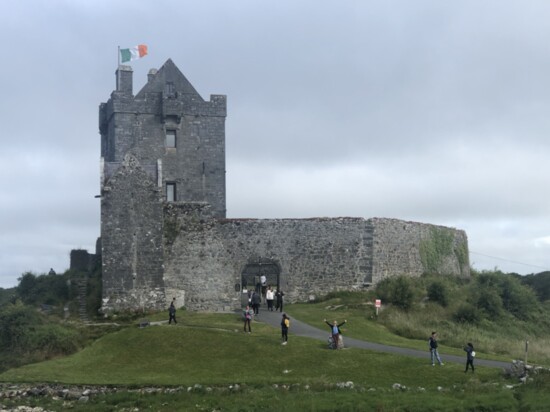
[204, 356]
[362, 324]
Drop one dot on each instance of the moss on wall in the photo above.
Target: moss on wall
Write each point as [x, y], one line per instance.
[436, 248]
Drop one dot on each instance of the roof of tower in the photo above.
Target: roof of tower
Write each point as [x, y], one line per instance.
[168, 73]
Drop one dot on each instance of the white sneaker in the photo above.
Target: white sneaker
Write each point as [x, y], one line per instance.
[284, 343]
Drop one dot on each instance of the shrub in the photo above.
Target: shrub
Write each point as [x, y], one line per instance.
[398, 291]
[466, 313]
[26, 335]
[489, 301]
[437, 292]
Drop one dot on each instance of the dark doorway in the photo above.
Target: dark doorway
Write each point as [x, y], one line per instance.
[252, 274]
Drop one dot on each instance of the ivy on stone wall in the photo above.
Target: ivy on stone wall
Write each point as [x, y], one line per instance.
[435, 248]
[461, 252]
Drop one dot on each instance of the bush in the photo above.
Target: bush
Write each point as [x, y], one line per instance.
[490, 303]
[398, 291]
[437, 292]
[26, 335]
[466, 313]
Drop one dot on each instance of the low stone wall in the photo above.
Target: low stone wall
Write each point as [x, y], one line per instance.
[205, 257]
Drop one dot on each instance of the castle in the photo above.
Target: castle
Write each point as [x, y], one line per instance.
[164, 230]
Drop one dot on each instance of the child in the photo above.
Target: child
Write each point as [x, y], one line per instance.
[285, 324]
[470, 354]
[247, 316]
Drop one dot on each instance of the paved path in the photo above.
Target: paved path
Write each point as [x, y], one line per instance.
[302, 329]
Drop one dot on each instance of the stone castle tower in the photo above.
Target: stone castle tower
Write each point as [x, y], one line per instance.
[164, 231]
[165, 144]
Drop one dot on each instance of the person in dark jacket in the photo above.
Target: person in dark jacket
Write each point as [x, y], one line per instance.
[335, 330]
[434, 354]
[256, 300]
[172, 312]
[470, 354]
[279, 300]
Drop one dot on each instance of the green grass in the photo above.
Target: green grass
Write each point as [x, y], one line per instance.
[491, 341]
[211, 350]
[180, 355]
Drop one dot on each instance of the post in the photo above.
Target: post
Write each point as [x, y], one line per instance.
[526, 350]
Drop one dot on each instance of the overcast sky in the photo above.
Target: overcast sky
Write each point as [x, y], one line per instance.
[430, 111]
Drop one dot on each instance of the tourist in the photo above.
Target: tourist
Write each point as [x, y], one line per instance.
[434, 354]
[172, 312]
[269, 295]
[247, 315]
[470, 355]
[279, 300]
[263, 281]
[285, 325]
[256, 300]
[335, 330]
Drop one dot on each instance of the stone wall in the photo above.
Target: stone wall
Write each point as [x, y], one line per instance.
[205, 257]
[131, 240]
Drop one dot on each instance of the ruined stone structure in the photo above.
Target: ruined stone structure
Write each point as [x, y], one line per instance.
[164, 231]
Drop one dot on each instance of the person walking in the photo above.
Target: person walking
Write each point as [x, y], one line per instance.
[269, 295]
[335, 330]
[285, 325]
[279, 300]
[263, 282]
[434, 354]
[247, 316]
[256, 300]
[172, 313]
[470, 355]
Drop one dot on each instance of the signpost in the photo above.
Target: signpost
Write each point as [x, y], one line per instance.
[377, 304]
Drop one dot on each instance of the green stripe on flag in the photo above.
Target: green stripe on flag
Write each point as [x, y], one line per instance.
[125, 55]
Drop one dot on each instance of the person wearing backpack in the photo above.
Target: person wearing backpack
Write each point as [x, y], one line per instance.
[470, 355]
[247, 317]
[434, 354]
[285, 325]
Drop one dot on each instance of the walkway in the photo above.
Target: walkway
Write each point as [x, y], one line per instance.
[302, 329]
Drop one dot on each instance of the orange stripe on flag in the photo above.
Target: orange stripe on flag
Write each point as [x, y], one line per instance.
[142, 48]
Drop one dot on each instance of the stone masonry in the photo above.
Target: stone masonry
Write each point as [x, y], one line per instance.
[164, 231]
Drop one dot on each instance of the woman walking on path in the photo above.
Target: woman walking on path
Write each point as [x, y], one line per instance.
[470, 355]
[335, 330]
[285, 325]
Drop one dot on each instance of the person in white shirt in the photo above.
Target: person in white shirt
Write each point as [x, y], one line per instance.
[269, 296]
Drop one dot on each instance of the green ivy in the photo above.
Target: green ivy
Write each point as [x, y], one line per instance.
[438, 245]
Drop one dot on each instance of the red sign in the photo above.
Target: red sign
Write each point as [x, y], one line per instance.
[377, 303]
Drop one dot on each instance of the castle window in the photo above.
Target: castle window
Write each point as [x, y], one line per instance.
[170, 192]
[169, 89]
[171, 139]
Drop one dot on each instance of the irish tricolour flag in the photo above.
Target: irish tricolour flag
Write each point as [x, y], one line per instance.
[133, 53]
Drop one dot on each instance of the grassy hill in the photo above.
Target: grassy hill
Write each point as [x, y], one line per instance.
[206, 362]
[209, 354]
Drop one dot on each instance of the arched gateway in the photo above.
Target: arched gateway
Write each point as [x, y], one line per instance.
[252, 273]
